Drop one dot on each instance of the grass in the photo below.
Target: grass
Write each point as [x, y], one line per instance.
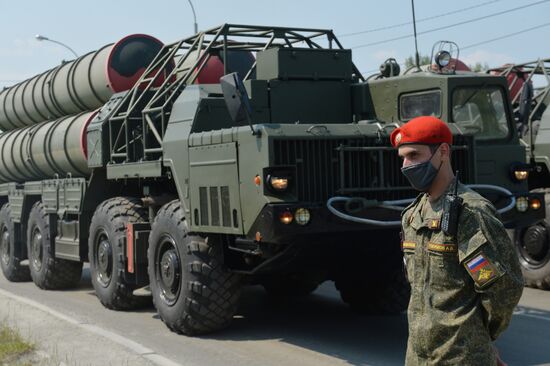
[12, 345]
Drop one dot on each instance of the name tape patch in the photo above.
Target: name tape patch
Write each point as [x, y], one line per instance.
[442, 248]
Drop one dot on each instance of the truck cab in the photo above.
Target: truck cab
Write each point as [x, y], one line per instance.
[474, 105]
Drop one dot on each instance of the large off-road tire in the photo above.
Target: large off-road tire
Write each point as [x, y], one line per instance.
[290, 285]
[10, 263]
[106, 252]
[48, 272]
[533, 246]
[193, 291]
[375, 294]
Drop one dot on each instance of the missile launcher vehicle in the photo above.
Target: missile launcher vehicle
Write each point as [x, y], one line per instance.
[241, 155]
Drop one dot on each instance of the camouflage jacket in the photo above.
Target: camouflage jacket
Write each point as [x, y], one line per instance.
[464, 288]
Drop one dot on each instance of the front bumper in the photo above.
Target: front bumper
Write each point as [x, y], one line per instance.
[515, 219]
[325, 226]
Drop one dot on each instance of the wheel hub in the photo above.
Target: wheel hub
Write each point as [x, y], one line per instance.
[36, 250]
[104, 261]
[536, 247]
[5, 247]
[169, 269]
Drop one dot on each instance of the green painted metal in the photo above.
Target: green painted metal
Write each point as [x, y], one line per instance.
[44, 150]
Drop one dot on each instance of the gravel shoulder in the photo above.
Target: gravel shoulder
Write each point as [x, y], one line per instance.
[60, 339]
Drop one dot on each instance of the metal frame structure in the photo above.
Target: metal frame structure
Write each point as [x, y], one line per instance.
[541, 95]
[538, 67]
[143, 114]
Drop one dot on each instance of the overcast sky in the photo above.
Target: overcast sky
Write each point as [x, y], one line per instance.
[86, 26]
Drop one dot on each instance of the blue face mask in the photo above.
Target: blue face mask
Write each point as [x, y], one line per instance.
[422, 175]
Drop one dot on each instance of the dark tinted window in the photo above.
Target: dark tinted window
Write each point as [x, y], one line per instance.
[420, 104]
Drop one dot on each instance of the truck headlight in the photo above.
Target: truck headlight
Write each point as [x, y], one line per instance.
[520, 172]
[442, 59]
[278, 183]
[522, 204]
[302, 216]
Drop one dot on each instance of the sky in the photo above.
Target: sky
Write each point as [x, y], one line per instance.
[87, 26]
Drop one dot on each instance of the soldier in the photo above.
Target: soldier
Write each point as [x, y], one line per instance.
[464, 287]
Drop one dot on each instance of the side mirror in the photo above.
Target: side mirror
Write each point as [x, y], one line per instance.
[236, 97]
[525, 101]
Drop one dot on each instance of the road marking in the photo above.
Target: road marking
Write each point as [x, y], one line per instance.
[136, 347]
[531, 313]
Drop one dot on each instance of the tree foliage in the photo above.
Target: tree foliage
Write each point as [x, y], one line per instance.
[479, 67]
[424, 60]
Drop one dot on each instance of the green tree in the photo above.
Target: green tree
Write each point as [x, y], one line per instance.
[479, 67]
[424, 60]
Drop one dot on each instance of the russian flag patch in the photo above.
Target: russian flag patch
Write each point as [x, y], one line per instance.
[482, 270]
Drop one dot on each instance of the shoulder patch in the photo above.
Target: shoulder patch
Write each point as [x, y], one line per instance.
[482, 271]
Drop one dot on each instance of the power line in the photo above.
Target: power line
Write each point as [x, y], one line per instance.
[506, 36]
[486, 41]
[419, 20]
[453, 25]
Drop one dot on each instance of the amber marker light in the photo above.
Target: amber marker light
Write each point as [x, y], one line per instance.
[286, 217]
[257, 180]
[535, 204]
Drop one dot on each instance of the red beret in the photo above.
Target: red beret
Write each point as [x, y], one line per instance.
[425, 130]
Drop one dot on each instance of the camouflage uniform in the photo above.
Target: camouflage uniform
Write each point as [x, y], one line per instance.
[463, 289]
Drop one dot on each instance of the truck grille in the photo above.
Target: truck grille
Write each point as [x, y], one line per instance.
[366, 167]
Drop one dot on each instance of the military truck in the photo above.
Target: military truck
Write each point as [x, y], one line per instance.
[280, 174]
[529, 86]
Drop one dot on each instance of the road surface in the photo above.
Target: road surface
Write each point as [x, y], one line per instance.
[315, 330]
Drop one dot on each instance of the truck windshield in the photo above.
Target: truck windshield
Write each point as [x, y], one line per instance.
[420, 104]
[481, 111]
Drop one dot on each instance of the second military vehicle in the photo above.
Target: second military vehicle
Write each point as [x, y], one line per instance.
[529, 85]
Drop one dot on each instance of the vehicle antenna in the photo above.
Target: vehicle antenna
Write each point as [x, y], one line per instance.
[416, 55]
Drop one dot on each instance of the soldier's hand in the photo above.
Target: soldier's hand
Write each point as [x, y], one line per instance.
[499, 360]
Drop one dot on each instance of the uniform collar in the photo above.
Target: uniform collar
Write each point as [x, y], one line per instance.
[428, 214]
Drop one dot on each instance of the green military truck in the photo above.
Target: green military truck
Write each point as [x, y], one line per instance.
[529, 91]
[282, 175]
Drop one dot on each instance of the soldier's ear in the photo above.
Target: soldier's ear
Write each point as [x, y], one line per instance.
[445, 151]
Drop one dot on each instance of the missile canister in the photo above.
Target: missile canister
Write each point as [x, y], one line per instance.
[46, 149]
[80, 85]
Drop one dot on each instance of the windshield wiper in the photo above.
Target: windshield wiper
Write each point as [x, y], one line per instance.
[472, 95]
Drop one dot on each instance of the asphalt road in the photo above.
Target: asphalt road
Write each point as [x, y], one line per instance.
[316, 330]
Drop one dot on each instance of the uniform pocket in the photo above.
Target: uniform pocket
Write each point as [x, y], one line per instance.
[408, 260]
[445, 270]
[446, 281]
